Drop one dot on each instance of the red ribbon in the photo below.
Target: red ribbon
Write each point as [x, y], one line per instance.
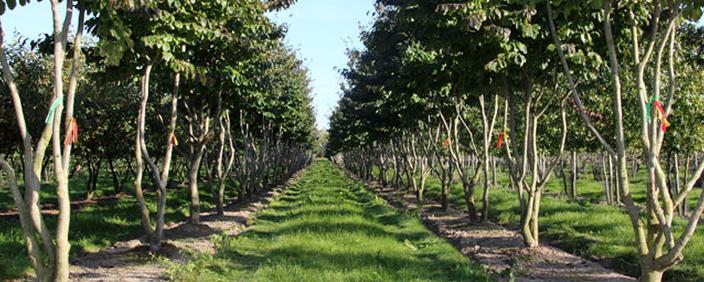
[665, 123]
[500, 141]
[72, 133]
[447, 143]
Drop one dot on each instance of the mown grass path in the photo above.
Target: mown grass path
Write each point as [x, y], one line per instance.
[327, 227]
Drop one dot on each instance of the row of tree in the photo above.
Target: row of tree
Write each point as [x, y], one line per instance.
[204, 89]
[455, 88]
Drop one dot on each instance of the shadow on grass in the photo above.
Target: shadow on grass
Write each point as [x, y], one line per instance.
[329, 228]
[321, 260]
[342, 226]
[92, 227]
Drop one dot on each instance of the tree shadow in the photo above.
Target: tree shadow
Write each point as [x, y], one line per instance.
[321, 260]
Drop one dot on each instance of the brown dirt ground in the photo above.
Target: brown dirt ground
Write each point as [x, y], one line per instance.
[498, 249]
[132, 261]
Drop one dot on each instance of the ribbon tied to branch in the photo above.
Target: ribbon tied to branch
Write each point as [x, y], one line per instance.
[500, 140]
[52, 109]
[660, 111]
[72, 133]
[446, 144]
[173, 140]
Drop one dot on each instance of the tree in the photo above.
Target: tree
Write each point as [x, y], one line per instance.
[49, 256]
[659, 248]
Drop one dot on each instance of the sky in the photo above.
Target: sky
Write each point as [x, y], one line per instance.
[320, 31]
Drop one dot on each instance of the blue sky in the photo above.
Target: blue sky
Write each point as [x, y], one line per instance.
[321, 31]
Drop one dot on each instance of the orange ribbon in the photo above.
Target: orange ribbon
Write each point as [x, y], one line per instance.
[72, 133]
[173, 140]
[500, 141]
[447, 143]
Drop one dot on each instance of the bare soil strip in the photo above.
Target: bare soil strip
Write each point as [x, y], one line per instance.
[497, 248]
[131, 260]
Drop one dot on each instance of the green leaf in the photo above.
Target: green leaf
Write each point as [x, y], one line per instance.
[409, 245]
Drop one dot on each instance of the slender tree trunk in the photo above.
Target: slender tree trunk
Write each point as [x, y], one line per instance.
[139, 160]
[493, 172]
[676, 186]
[193, 171]
[93, 180]
[634, 167]
[488, 132]
[564, 178]
[607, 180]
[445, 181]
[116, 184]
[575, 176]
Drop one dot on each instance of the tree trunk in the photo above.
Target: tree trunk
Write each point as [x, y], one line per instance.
[616, 181]
[607, 181]
[634, 167]
[677, 186]
[493, 172]
[563, 175]
[444, 190]
[649, 275]
[469, 188]
[116, 184]
[193, 172]
[139, 160]
[576, 165]
[575, 176]
[529, 224]
[158, 235]
[485, 193]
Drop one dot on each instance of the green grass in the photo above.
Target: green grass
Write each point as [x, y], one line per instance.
[585, 227]
[328, 228]
[92, 227]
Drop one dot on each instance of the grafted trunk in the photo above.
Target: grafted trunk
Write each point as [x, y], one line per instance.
[529, 220]
[469, 188]
[647, 274]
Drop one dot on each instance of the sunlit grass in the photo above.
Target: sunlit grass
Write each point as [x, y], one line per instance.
[586, 227]
[328, 228]
[92, 227]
